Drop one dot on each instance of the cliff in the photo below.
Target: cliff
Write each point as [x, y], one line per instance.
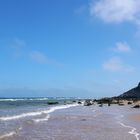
[132, 93]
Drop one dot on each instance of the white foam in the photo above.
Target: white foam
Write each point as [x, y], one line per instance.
[41, 99]
[52, 110]
[10, 99]
[30, 114]
[43, 119]
[133, 130]
[23, 99]
[10, 134]
[8, 118]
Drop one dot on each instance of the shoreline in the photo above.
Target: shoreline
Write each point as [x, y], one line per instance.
[73, 121]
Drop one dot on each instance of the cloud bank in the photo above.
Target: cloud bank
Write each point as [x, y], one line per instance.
[116, 11]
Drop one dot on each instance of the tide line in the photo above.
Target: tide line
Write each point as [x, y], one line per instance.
[133, 130]
[10, 134]
[37, 113]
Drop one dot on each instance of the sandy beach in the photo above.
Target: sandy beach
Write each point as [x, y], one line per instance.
[68, 122]
[135, 117]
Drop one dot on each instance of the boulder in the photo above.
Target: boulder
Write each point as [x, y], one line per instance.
[129, 103]
[88, 103]
[52, 102]
[136, 106]
[79, 102]
[101, 105]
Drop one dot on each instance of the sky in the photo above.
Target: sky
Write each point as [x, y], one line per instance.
[71, 48]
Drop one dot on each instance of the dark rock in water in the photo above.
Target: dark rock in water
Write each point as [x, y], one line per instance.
[88, 103]
[100, 105]
[73, 101]
[52, 102]
[79, 102]
[109, 104]
[136, 106]
[133, 93]
[129, 103]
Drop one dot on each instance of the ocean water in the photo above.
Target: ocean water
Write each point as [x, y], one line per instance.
[34, 119]
[18, 112]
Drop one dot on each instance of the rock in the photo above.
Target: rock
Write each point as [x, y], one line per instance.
[129, 103]
[136, 106]
[73, 101]
[114, 101]
[121, 104]
[88, 103]
[100, 105]
[52, 102]
[109, 104]
[79, 102]
[104, 101]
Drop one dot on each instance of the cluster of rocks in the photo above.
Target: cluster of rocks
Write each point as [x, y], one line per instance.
[100, 102]
[110, 101]
[88, 102]
[131, 97]
[136, 104]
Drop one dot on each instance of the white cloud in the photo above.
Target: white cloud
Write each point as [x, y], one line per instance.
[115, 64]
[122, 47]
[39, 57]
[116, 11]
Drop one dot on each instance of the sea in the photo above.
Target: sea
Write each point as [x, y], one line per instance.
[36, 119]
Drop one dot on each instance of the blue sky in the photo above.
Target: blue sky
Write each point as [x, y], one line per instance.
[82, 48]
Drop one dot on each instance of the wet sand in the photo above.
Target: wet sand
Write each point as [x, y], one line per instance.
[82, 123]
[135, 117]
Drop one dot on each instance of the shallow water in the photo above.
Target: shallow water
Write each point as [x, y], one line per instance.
[68, 122]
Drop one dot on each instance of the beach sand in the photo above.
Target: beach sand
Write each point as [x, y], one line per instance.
[81, 123]
[135, 117]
